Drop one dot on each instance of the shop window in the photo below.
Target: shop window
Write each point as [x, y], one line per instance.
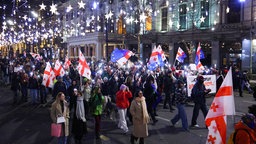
[164, 19]
[182, 16]
[205, 13]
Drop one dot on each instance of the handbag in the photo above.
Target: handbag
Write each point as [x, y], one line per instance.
[55, 130]
[60, 119]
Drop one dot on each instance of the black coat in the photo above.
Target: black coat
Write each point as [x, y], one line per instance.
[59, 87]
[79, 128]
[199, 93]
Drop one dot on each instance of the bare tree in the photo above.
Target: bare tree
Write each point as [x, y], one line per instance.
[189, 47]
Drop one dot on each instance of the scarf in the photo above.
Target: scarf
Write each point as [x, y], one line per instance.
[80, 114]
[144, 109]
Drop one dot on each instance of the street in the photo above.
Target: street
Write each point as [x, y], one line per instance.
[30, 124]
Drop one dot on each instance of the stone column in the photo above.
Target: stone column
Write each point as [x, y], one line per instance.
[215, 54]
[98, 51]
[171, 53]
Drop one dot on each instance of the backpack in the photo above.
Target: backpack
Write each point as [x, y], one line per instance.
[232, 137]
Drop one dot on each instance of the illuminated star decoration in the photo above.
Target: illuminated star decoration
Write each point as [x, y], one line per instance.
[69, 8]
[81, 4]
[4, 27]
[25, 17]
[202, 19]
[42, 6]
[143, 17]
[136, 21]
[53, 8]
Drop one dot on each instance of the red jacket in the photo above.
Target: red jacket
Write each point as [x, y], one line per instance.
[122, 99]
[246, 136]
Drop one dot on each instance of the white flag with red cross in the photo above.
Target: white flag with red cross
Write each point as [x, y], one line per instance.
[49, 76]
[58, 69]
[83, 68]
[223, 104]
[67, 63]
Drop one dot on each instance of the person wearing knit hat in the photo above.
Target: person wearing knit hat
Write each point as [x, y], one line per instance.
[122, 103]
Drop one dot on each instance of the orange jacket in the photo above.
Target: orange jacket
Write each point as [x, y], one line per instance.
[122, 99]
[245, 135]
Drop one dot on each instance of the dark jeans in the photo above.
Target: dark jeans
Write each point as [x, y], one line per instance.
[197, 107]
[24, 92]
[150, 110]
[43, 94]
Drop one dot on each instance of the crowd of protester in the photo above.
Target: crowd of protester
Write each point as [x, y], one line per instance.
[111, 92]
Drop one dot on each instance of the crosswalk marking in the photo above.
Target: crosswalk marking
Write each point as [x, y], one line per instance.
[251, 102]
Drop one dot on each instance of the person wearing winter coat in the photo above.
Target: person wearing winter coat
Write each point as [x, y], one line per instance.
[140, 117]
[148, 92]
[60, 108]
[59, 86]
[79, 127]
[199, 91]
[96, 105]
[245, 133]
[122, 103]
[33, 86]
[15, 86]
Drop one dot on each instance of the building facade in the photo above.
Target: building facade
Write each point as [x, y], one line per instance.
[224, 29]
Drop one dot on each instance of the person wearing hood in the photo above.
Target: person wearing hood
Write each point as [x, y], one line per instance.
[122, 103]
[245, 133]
[199, 91]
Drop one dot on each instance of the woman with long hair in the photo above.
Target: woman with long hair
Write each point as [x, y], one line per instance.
[96, 104]
[140, 118]
[60, 109]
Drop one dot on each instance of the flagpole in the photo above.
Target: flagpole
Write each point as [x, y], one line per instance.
[174, 61]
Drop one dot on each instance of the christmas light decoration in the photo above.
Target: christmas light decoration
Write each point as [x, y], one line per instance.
[81, 5]
[53, 8]
[42, 6]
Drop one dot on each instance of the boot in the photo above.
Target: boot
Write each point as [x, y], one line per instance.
[132, 139]
[141, 141]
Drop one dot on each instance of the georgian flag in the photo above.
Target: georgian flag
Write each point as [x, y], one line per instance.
[83, 68]
[67, 63]
[223, 104]
[58, 69]
[49, 76]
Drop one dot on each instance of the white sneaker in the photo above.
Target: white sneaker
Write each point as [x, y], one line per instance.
[196, 125]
